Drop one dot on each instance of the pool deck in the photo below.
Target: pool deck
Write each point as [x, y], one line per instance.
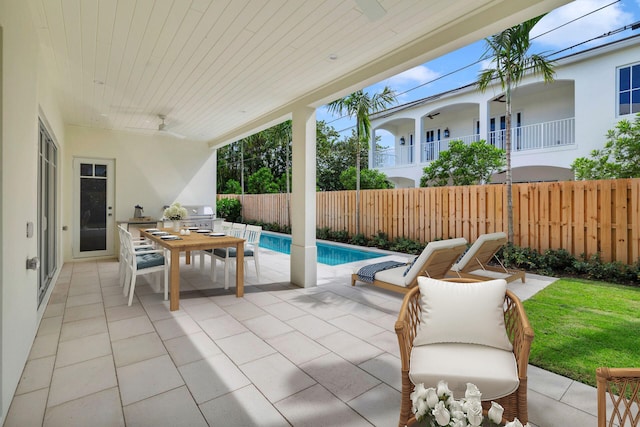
[280, 356]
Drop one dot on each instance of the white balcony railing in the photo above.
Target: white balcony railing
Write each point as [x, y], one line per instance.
[537, 136]
[390, 158]
[430, 151]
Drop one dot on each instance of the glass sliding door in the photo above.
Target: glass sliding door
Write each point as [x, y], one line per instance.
[93, 216]
[47, 210]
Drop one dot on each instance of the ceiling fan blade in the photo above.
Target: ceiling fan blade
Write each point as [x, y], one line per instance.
[372, 9]
[174, 134]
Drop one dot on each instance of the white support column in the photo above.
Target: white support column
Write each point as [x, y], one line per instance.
[417, 143]
[214, 159]
[484, 119]
[303, 199]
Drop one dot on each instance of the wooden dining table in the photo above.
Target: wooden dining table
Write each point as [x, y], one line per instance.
[195, 242]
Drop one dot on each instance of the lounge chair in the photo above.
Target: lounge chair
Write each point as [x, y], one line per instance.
[478, 256]
[435, 261]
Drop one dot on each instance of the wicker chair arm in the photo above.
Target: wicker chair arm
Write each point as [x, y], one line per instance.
[519, 331]
[407, 325]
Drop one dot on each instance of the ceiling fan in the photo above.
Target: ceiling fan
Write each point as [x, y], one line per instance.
[162, 128]
[432, 115]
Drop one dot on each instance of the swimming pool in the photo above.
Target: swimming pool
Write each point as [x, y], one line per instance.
[327, 253]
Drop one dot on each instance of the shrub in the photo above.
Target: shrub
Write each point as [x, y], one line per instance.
[339, 236]
[359, 240]
[323, 233]
[229, 209]
[408, 246]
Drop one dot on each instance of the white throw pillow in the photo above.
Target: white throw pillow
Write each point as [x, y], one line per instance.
[469, 313]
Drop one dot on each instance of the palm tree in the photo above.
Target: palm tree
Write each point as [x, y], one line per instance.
[360, 105]
[511, 61]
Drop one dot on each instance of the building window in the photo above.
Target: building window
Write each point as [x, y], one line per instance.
[629, 90]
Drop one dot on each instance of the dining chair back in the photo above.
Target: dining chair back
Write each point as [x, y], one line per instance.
[252, 247]
[618, 388]
[226, 226]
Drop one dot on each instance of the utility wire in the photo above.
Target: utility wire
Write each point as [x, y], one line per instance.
[539, 35]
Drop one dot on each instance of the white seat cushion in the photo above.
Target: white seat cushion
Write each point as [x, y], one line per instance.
[394, 276]
[492, 370]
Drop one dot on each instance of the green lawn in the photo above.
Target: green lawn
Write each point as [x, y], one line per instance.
[580, 325]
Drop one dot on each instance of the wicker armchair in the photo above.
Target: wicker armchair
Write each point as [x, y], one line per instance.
[622, 385]
[519, 332]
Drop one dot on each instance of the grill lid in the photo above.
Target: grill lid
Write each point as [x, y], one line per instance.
[199, 211]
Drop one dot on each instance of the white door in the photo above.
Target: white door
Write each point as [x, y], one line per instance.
[93, 209]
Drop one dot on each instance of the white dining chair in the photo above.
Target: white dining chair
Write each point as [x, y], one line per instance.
[139, 245]
[139, 262]
[227, 255]
[252, 247]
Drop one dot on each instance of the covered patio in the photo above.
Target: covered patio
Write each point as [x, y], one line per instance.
[283, 355]
[153, 88]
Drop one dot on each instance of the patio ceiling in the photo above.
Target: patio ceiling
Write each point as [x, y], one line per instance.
[221, 69]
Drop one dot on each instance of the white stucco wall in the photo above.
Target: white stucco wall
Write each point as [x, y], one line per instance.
[26, 94]
[150, 170]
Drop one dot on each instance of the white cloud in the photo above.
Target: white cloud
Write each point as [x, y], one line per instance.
[603, 21]
[414, 76]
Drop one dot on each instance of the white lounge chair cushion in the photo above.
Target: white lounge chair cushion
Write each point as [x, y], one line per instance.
[470, 254]
[396, 276]
[471, 313]
[492, 370]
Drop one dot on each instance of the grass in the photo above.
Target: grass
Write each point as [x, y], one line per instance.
[580, 325]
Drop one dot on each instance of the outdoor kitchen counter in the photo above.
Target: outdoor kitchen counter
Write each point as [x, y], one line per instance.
[196, 242]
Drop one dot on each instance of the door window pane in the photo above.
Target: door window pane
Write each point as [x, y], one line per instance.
[86, 169]
[47, 208]
[93, 214]
[101, 170]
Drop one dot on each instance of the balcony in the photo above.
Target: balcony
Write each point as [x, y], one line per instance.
[538, 136]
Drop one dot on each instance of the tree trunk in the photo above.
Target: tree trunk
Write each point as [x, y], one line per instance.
[358, 184]
[509, 178]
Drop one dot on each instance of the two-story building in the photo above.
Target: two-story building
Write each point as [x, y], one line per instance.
[552, 123]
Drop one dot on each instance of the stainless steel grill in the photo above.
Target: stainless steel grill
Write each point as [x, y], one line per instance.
[199, 216]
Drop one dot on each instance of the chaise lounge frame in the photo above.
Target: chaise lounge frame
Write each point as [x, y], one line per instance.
[478, 256]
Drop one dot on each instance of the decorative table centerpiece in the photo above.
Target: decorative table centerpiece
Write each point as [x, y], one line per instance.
[436, 407]
[175, 213]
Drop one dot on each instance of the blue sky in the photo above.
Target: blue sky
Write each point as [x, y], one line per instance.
[612, 16]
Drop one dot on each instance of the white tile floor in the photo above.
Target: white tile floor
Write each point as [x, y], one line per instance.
[280, 356]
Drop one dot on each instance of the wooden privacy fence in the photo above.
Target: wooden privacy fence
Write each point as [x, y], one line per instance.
[579, 216]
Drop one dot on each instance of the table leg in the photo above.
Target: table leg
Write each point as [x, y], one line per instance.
[187, 257]
[174, 296]
[240, 270]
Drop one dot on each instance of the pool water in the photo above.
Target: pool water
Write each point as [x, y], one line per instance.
[327, 253]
